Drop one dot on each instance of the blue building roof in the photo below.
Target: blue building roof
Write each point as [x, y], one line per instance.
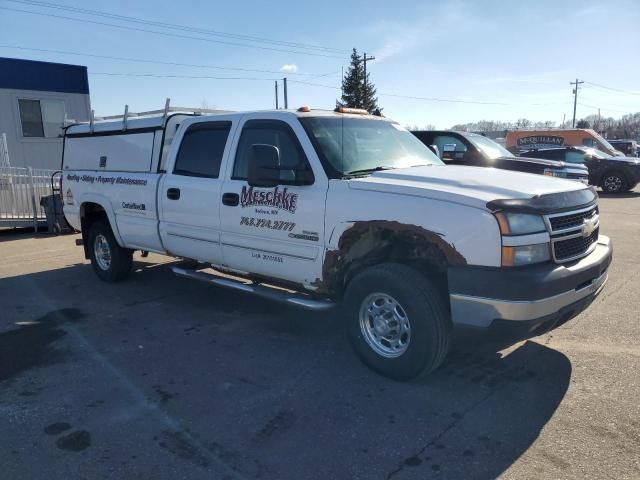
[18, 74]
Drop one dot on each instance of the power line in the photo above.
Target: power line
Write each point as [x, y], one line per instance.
[167, 34]
[159, 62]
[303, 82]
[174, 26]
[606, 109]
[160, 75]
[617, 90]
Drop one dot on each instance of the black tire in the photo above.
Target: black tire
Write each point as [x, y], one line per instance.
[422, 304]
[121, 259]
[614, 182]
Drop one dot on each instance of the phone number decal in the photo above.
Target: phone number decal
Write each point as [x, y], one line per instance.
[267, 224]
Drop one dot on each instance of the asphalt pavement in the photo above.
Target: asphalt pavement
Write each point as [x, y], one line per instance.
[165, 378]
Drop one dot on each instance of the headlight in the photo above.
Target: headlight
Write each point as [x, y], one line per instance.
[555, 173]
[525, 254]
[520, 223]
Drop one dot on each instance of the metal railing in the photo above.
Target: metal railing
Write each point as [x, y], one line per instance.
[20, 193]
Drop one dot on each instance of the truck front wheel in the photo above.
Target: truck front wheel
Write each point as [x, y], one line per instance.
[110, 261]
[398, 322]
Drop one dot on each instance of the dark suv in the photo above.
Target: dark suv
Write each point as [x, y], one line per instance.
[465, 148]
[612, 174]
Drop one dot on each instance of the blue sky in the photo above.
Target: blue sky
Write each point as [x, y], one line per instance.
[520, 54]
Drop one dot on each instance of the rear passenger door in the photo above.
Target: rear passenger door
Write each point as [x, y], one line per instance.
[190, 192]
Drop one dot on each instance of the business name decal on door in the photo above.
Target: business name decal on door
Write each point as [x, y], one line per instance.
[279, 198]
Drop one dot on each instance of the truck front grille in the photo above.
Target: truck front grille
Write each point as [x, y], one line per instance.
[571, 220]
[575, 247]
[573, 234]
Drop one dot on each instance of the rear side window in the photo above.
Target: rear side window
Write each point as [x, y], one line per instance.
[201, 150]
[450, 148]
[269, 132]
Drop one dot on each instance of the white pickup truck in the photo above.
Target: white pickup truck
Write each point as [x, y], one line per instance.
[315, 208]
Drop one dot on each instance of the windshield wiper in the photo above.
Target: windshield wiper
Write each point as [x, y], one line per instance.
[369, 170]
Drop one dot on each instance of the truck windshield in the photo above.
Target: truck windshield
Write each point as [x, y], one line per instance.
[359, 145]
[488, 147]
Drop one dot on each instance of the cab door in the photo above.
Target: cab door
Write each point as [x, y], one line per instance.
[190, 192]
[274, 232]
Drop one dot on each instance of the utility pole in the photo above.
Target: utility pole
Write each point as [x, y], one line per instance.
[276, 94]
[576, 84]
[365, 59]
[284, 88]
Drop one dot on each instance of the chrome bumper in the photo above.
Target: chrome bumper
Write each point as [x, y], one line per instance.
[468, 309]
[484, 310]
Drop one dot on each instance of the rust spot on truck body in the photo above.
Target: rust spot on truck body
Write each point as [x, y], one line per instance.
[368, 241]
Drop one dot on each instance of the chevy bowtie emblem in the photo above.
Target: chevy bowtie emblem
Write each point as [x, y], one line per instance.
[588, 226]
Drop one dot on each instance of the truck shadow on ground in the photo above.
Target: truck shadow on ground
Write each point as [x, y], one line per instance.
[275, 392]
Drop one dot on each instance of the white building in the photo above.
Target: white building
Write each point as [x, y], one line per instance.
[36, 98]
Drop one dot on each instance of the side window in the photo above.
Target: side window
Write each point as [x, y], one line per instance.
[31, 118]
[201, 150]
[269, 132]
[450, 148]
[574, 157]
[588, 142]
[41, 118]
[554, 154]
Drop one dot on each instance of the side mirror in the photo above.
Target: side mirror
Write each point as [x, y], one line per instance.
[264, 166]
[266, 170]
[435, 149]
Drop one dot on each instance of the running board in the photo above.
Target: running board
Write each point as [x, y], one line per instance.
[278, 295]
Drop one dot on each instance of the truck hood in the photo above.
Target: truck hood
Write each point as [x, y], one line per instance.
[472, 186]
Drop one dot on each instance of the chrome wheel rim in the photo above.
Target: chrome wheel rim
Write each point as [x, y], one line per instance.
[613, 183]
[102, 252]
[385, 325]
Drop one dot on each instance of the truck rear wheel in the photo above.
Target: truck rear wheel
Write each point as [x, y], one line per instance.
[398, 322]
[110, 261]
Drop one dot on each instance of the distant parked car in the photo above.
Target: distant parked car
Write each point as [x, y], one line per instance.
[465, 148]
[612, 174]
[518, 141]
[628, 147]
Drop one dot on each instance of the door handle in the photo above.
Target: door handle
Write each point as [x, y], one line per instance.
[230, 199]
[173, 193]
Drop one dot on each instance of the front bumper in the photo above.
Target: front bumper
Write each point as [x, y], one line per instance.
[527, 300]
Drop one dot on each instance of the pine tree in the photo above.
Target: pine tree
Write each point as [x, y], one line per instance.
[358, 91]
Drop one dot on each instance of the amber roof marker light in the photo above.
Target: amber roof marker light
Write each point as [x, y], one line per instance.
[355, 111]
[304, 108]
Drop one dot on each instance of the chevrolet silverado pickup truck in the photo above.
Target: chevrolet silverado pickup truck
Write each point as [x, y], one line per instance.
[314, 208]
